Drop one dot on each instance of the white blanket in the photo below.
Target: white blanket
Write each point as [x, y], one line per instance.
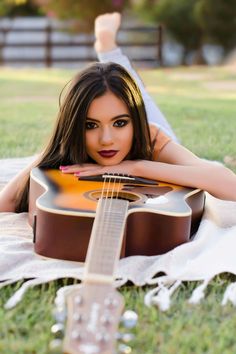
[210, 253]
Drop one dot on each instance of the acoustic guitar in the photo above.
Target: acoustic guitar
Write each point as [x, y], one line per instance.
[94, 307]
[62, 209]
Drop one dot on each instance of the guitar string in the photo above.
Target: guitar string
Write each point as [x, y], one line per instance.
[107, 208]
[114, 194]
[109, 192]
[104, 201]
[117, 197]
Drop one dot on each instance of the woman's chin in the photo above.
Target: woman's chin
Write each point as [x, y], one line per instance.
[109, 162]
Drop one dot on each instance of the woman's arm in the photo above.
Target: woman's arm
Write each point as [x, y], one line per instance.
[178, 165]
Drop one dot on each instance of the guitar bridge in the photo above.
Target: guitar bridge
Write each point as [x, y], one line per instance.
[119, 178]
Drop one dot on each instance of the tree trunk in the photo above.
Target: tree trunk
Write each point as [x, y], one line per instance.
[198, 58]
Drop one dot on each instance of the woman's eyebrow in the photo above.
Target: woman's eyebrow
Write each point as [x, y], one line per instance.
[114, 118]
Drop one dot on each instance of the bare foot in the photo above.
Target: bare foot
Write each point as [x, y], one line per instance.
[105, 30]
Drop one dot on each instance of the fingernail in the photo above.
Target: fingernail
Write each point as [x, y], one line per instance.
[63, 167]
[77, 174]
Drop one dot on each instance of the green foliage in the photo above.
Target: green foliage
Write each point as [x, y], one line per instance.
[194, 22]
[177, 17]
[13, 8]
[83, 11]
[218, 21]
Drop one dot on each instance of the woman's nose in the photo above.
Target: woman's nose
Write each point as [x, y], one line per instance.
[106, 137]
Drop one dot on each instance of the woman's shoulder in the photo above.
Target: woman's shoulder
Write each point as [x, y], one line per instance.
[158, 138]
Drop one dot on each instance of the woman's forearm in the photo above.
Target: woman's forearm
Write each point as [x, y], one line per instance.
[10, 193]
[213, 178]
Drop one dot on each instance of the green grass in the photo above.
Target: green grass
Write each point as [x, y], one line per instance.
[200, 104]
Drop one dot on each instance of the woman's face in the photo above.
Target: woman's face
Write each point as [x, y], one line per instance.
[109, 130]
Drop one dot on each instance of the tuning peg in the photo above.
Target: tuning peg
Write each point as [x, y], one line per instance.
[124, 349]
[125, 337]
[129, 319]
[55, 346]
[102, 337]
[59, 313]
[58, 330]
[106, 319]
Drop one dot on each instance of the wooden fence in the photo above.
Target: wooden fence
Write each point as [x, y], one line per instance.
[141, 43]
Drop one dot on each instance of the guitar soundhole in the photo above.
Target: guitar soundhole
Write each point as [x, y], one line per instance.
[131, 197]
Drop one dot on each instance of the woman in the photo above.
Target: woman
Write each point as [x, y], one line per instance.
[102, 127]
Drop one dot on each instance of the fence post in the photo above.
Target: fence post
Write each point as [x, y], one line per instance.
[159, 44]
[48, 45]
[2, 44]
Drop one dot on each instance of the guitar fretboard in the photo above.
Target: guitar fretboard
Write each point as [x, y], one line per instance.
[106, 239]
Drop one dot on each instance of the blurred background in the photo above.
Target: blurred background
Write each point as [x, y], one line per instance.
[59, 33]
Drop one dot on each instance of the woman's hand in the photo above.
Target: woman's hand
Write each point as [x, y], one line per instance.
[91, 169]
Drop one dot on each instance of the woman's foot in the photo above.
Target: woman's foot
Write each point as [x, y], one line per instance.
[105, 30]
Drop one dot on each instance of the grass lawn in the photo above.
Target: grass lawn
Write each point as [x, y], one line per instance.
[200, 105]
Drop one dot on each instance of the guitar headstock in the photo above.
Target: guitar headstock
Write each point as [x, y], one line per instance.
[93, 314]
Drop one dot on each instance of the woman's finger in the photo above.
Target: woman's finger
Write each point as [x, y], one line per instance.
[92, 172]
[77, 168]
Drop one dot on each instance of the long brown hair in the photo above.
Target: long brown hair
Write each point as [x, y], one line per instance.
[67, 143]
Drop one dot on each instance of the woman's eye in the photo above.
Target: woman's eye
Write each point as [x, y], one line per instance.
[90, 125]
[120, 123]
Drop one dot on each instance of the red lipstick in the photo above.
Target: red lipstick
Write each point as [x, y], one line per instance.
[107, 153]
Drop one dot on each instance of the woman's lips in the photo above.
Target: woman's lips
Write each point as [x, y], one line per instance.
[107, 153]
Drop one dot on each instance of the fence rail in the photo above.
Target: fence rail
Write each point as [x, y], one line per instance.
[141, 43]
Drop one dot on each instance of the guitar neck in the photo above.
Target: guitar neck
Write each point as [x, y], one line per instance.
[106, 240]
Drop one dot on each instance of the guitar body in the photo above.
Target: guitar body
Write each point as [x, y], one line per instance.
[62, 210]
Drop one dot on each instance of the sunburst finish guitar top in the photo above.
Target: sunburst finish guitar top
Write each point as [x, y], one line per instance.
[62, 209]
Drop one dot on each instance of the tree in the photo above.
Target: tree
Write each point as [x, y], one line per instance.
[83, 11]
[179, 19]
[218, 21]
[19, 8]
[195, 22]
